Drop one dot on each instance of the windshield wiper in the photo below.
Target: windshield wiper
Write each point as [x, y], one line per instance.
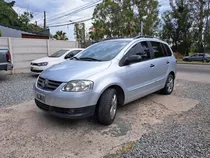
[74, 58]
[89, 59]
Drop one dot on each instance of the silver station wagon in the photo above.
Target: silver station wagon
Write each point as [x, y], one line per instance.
[104, 76]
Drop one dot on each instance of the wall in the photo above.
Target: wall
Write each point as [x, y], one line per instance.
[9, 32]
[23, 51]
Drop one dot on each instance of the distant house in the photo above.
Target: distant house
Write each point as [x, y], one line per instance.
[8, 31]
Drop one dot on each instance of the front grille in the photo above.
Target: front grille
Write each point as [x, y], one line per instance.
[59, 110]
[37, 71]
[48, 84]
[42, 105]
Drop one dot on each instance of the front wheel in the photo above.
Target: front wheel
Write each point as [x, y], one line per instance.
[169, 86]
[107, 107]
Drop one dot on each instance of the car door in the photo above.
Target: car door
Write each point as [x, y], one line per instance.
[194, 57]
[138, 78]
[200, 57]
[160, 62]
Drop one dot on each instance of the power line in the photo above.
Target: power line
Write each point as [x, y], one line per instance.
[79, 9]
[71, 23]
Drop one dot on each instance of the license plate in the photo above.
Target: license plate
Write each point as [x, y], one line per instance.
[40, 97]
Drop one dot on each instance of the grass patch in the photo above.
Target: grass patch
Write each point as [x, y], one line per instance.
[125, 148]
[193, 62]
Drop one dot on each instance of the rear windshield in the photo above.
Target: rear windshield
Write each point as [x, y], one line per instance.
[4, 50]
[58, 53]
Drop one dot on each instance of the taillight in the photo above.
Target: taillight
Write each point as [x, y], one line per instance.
[8, 57]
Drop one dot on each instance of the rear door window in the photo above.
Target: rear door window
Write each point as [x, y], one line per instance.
[157, 49]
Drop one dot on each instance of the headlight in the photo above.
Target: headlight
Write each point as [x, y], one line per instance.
[78, 86]
[43, 64]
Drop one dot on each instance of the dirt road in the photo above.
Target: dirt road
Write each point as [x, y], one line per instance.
[28, 132]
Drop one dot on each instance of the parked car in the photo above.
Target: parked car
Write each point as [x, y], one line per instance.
[198, 57]
[38, 65]
[5, 59]
[105, 75]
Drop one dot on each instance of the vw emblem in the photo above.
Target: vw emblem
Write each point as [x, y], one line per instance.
[45, 83]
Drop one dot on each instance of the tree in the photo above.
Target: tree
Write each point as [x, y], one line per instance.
[177, 26]
[25, 18]
[7, 15]
[120, 18]
[198, 7]
[60, 35]
[148, 14]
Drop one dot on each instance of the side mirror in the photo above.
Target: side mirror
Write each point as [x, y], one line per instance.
[133, 59]
[69, 56]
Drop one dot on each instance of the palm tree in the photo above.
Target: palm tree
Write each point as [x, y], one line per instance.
[60, 35]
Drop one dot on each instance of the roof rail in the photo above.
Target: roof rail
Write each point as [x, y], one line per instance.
[113, 38]
[142, 36]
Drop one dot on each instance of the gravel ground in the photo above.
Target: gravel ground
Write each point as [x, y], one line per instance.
[185, 135]
[16, 89]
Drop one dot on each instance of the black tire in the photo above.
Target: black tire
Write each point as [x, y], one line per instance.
[104, 107]
[166, 90]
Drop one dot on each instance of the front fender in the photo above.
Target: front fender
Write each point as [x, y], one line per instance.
[102, 85]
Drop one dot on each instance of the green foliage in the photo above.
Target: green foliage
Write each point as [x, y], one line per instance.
[7, 15]
[183, 26]
[122, 18]
[25, 18]
[0, 33]
[60, 35]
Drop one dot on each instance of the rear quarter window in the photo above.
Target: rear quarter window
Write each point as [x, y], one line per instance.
[168, 50]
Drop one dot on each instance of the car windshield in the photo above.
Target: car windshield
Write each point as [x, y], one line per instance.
[58, 53]
[102, 51]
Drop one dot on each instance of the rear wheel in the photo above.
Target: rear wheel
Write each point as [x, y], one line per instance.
[107, 107]
[169, 86]
[205, 60]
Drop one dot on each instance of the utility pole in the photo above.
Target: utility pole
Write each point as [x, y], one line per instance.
[142, 28]
[44, 19]
[206, 29]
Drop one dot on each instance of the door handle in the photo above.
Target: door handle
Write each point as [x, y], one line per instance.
[167, 62]
[152, 65]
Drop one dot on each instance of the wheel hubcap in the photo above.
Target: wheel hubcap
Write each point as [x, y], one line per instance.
[113, 108]
[170, 84]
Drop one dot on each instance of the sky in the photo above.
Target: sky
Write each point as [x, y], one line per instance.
[55, 8]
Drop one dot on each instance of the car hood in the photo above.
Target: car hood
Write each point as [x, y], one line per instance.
[45, 59]
[73, 70]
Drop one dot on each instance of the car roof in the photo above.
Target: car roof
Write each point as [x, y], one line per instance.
[137, 39]
[71, 48]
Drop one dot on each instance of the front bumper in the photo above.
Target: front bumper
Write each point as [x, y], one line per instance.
[38, 69]
[72, 113]
[58, 98]
[6, 66]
